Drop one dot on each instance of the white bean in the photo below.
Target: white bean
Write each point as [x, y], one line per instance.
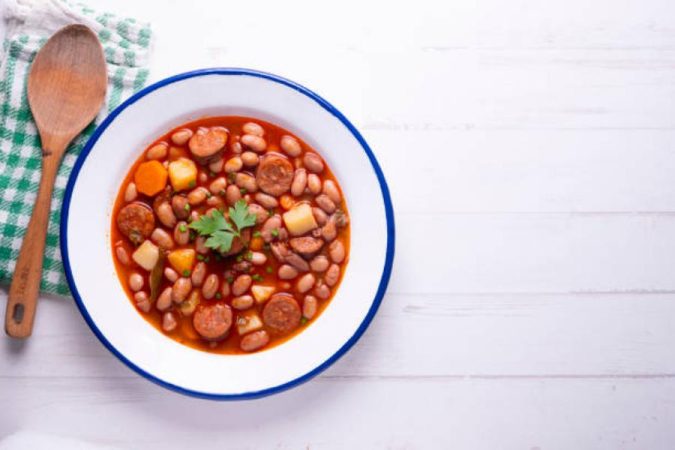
[313, 183]
[218, 186]
[135, 282]
[157, 151]
[163, 239]
[200, 245]
[181, 233]
[180, 137]
[319, 263]
[234, 164]
[299, 182]
[210, 286]
[165, 215]
[320, 216]
[287, 272]
[258, 258]
[255, 143]
[267, 201]
[305, 283]
[241, 284]
[198, 274]
[309, 306]
[197, 195]
[181, 289]
[336, 251]
[253, 128]
[122, 255]
[232, 194]
[242, 302]
[322, 291]
[130, 194]
[170, 274]
[169, 321]
[290, 145]
[332, 191]
[332, 275]
[313, 162]
[325, 203]
[250, 159]
[164, 300]
[142, 301]
[246, 181]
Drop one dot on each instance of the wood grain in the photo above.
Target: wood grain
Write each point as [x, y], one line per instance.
[528, 148]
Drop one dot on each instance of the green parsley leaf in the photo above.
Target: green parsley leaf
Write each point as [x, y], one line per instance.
[220, 240]
[186, 273]
[257, 277]
[219, 230]
[241, 216]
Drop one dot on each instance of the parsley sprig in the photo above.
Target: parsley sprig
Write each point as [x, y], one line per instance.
[219, 230]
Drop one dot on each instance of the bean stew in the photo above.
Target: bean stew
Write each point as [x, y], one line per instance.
[230, 234]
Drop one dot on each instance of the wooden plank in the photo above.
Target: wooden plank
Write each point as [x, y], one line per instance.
[334, 414]
[447, 335]
[527, 171]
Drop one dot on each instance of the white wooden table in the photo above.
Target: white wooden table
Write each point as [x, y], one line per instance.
[530, 149]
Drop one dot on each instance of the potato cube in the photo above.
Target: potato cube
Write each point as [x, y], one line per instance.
[146, 255]
[247, 322]
[262, 293]
[183, 174]
[299, 220]
[182, 260]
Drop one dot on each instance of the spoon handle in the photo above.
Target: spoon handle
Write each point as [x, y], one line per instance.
[23, 292]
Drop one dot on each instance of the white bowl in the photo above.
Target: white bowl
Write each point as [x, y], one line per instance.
[86, 219]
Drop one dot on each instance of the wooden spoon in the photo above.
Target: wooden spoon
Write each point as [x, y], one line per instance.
[66, 89]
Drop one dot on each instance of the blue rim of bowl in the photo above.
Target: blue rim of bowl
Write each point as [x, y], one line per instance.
[384, 280]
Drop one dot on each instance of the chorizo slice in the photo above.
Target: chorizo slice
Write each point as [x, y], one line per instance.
[306, 246]
[136, 221]
[274, 175]
[212, 322]
[207, 144]
[282, 313]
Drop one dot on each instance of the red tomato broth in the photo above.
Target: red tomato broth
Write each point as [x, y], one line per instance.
[185, 332]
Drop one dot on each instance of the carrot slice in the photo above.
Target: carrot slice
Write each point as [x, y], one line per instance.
[150, 178]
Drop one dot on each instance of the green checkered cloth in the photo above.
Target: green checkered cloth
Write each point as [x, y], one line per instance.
[126, 43]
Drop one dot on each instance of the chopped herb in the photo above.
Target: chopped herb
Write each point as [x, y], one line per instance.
[275, 232]
[230, 279]
[192, 183]
[186, 273]
[211, 173]
[206, 259]
[257, 234]
[270, 212]
[230, 177]
[221, 231]
[248, 255]
[182, 228]
[186, 207]
[303, 320]
[240, 258]
[200, 257]
[243, 191]
[269, 269]
[257, 277]
[218, 296]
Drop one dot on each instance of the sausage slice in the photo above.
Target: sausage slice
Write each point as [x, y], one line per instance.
[207, 144]
[307, 246]
[282, 313]
[213, 322]
[274, 175]
[136, 221]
